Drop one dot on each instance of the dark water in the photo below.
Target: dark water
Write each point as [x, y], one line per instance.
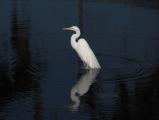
[41, 76]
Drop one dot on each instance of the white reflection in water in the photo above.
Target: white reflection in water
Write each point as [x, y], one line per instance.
[82, 86]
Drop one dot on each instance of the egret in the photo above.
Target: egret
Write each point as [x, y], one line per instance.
[83, 49]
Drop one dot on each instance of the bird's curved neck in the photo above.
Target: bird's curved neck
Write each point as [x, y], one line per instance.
[74, 38]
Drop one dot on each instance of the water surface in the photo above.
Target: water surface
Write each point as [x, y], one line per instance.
[41, 76]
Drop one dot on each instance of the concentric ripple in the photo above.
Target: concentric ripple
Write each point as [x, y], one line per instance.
[124, 68]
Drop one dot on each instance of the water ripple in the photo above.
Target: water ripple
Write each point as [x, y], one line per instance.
[124, 68]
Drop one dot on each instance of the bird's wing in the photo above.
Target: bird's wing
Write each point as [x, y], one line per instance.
[86, 53]
[83, 48]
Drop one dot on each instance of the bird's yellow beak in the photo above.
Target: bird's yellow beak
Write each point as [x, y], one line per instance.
[67, 29]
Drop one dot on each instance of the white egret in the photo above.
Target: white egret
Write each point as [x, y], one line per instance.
[83, 50]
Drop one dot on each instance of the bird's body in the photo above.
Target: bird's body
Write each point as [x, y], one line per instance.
[86, 54]
[83, 49]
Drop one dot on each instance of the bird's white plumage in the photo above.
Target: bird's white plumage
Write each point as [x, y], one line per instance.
[83, 49]
[86, 54]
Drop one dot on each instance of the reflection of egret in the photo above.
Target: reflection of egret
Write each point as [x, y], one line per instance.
[83, 49]
[82, 86]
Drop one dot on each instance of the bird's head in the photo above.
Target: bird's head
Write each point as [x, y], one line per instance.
[73, 28]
